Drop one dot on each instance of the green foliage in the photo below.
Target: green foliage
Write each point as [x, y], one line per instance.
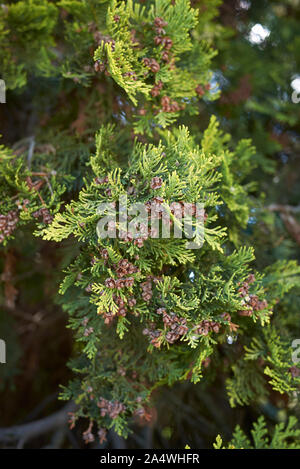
[123, 109]
[213, 290]
[29, 186]
[168, 84]
[26, 36]
[284, 436]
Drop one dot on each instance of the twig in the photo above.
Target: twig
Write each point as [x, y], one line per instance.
[291, 224]
[20, 434]
[40, 407]
[49, 186]
[283, 208]
[30, 151]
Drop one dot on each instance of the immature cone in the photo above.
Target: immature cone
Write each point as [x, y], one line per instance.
[207, 326]
[295, 371]
[159, 22]
[110, 283]
[102, 435]
[8, 224]
[165, 57]
[44, 212]
[88, 436]
[110, 408]
[156, 183]
[154, 66]
[199, 90]
[156, 89]
[147, 290]
[167, 42]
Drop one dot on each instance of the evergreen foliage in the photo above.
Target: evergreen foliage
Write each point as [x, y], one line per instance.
[117, 91]
[284, 437]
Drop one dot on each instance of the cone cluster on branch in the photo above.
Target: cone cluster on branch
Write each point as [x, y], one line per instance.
[8, 224]
[110, 408]
[250, 302]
